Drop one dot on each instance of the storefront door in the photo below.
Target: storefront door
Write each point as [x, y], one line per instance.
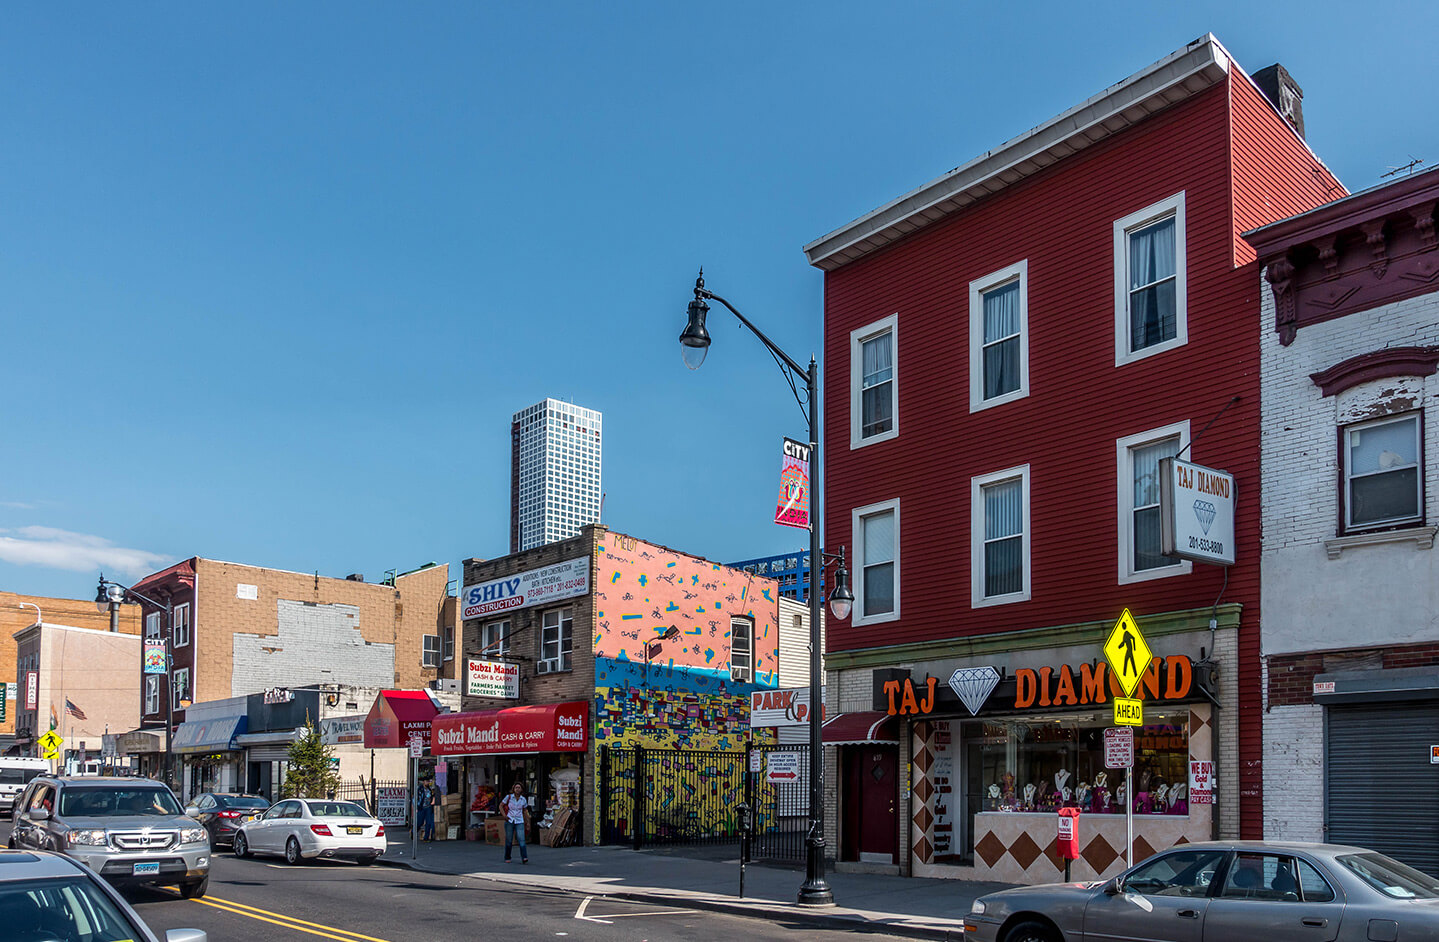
[872, 777]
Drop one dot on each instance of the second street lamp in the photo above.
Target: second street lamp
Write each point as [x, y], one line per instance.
[694, 344]
[111, 594]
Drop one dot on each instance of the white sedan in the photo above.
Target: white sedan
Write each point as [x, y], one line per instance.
[303, 828]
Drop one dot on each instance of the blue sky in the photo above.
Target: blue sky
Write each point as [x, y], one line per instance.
[273, 277]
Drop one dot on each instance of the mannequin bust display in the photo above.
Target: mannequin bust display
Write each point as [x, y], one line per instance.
[1081, 795]
[1060, 778]
[1179, 798]
[1101, 793]
[1161, 799]
[994, 791]
[1029, 796]
[1065, 793]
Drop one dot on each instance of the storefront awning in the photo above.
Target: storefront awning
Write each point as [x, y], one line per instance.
[214, 735]
[552, 727]
[396, 716]
[852, 729]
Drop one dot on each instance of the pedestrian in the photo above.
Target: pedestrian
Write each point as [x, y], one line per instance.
[425, 798]
[516, 808]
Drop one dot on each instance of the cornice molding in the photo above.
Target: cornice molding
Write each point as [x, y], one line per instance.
[1377, 364]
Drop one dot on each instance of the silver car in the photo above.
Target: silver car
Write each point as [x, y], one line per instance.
[47, 896]
[128, 830]
[1224, 892]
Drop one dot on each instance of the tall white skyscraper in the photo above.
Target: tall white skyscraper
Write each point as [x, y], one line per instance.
[554, 472]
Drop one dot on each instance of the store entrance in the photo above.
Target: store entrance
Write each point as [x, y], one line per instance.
[871, 777]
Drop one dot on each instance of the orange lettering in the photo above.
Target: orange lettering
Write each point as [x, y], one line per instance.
[1181, 676]
[1024, 687]
[1091, 683]
[1044, 673]
[907, 704]
[1149, 683]
[1064, 694]
[891, 687]
[928, 703]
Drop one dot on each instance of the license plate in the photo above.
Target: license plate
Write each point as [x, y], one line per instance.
[141, 869]
[354, 830]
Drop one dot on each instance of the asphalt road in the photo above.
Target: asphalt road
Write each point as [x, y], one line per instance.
[259, 899]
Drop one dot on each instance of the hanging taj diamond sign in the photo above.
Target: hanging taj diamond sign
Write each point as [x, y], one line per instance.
[973, 685]
[1196, 512]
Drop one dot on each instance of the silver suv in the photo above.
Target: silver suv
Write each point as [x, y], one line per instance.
[128, 830]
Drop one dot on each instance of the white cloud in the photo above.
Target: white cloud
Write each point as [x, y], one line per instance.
[77, 552]
[16, 505]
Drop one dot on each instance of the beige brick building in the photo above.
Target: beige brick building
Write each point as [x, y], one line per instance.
[239, 630]
[94, 670]
[18, 612]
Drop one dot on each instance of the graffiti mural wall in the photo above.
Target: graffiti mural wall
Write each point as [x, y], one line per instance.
[685, 697]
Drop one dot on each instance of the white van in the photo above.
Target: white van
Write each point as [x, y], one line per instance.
[15, 773]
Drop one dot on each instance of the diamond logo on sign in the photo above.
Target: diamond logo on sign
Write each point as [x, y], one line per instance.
[1127, 653]
[1204, 512]
[973, 685]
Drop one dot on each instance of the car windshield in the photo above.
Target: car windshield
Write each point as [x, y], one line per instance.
[116, 802]
[62, 909]
[336, 809]
[241, 801]
[1392, 878]
[17, 776]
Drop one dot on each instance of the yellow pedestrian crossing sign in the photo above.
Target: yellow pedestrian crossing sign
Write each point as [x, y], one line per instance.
[1127, 653]
[51, 741]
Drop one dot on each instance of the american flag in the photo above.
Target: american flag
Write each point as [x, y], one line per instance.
[73, 710]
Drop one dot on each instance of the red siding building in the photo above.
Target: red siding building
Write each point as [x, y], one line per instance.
[1009, 352]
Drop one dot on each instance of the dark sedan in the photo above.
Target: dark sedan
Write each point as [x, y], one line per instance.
[1224, 892]
[222, 813]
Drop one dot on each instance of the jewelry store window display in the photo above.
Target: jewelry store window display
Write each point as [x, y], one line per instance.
[1044, 763]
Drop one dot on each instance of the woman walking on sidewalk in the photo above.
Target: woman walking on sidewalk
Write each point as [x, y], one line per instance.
[516, 808]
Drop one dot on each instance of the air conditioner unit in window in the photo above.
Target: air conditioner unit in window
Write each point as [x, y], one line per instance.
[738, 675]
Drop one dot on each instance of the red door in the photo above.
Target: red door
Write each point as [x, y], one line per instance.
[871, 788]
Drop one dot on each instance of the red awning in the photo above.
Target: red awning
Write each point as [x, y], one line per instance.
[852, 729]
[396, 716]
[551, 727]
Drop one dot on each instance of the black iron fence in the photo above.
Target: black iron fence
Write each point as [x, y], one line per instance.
[365, 792]
[672, 796]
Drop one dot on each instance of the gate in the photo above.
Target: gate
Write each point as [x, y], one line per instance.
[669, 796]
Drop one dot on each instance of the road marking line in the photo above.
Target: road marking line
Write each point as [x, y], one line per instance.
[278, 922]
[667, 912]
[580, 913]
[317, 925]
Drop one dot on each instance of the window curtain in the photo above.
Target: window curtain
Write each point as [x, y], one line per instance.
[1152, 285]
[878, 371]
[878, 563]
[1003, 538]
[1001, 340]
[1146, 504]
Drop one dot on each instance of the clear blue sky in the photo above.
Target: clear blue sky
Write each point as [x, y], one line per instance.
[275, 276]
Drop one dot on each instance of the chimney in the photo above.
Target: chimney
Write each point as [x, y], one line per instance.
[1283, 93]
[355, 577]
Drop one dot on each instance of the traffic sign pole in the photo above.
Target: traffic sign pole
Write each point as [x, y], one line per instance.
[1129, 817]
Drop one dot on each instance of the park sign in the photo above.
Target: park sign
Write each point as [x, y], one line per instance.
[1196, 512]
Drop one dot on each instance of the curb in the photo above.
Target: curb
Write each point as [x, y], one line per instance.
[735, 907]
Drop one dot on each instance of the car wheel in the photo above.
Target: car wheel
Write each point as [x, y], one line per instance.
[194, 890]
[292, 851]
[1032, 931]
[240, 847]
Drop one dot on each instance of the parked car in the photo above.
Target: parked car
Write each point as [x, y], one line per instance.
[222, 813]
[1218, 892]
[306, 828]
[129, 830]
[46, 896]
[15, 773]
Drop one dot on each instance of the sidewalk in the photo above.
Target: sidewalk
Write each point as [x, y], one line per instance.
[708, 878]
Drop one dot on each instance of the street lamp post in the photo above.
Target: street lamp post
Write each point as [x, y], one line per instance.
[111, 594]
[694, 344]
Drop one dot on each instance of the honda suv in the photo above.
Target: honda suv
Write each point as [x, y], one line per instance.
[127, 830]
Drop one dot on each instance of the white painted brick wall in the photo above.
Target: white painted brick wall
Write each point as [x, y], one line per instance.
[315, 644]
[1294, 773]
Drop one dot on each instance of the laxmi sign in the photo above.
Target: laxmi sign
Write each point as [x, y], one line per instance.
[525, 589]
[1196, 512]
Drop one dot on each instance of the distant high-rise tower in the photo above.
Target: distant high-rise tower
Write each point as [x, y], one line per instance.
[554, 472]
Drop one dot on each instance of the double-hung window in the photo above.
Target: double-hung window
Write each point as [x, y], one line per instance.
[449, 642]
[999, 337]
[556, 640]
[495, 639]
[152, 625]
[181, 679]
[741, 650]
[999, 537]
[181, 628]
[152, 694]
[1383, 484]
[874, 390]
[430, 653]
[876, 589]
[1150, 285]
[1137, 460]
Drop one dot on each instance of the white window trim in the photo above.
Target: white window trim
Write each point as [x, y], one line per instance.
[1016, 272]
[1417, 520]
[152, 625]
[556, 665]
[976, 537]
[857, 616]
[857, 337]
[1124, 493]
[175, 625]
[447, 643]
[176, 685]
[1174, 206]
[152, 694]
[426, 652]
[748, 672]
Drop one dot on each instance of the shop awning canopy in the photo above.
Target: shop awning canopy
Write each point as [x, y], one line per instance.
[853, 729]
[396, 716]
[212, 735]
[550, 727]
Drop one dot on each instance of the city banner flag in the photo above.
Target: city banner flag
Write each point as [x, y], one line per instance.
[792, 509]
